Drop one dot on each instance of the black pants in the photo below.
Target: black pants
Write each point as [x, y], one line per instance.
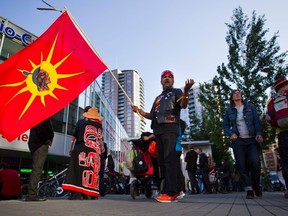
[283, 153]
[193, 182]
[168, 161]
[206, 181]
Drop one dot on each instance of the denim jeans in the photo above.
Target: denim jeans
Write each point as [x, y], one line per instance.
[283, 153]
[247, 156]
[38, 158]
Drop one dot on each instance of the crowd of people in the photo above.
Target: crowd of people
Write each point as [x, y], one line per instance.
[88, 152]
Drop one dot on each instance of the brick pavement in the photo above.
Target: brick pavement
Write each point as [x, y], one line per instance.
[232, 204]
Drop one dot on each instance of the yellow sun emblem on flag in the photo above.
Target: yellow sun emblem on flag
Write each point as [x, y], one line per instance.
[42, 80]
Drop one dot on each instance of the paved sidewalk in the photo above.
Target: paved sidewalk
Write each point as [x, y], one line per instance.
[232, 204]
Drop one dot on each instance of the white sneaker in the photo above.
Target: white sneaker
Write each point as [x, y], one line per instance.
[180, 195]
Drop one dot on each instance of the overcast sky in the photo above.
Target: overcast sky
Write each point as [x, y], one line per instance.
[185, 36]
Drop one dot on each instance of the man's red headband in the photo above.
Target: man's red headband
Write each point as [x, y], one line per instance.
[167, 73]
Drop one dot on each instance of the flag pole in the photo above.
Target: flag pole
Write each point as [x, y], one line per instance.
[90, 44]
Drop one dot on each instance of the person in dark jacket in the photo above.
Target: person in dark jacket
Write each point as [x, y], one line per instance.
[243, 127]
[40, 138]
[110, 163]
[191, 167]
[224, 174]
[204, 168]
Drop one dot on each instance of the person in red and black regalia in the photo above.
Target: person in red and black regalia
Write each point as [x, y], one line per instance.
[83, 171]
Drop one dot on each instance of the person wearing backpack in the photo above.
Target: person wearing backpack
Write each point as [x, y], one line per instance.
[277, 116]
[243, 127]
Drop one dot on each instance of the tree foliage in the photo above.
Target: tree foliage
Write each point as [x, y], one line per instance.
[254, 62]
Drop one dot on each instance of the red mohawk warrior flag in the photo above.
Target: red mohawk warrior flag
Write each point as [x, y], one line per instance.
[43, 78]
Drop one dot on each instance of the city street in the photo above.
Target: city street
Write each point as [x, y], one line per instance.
[233, 204]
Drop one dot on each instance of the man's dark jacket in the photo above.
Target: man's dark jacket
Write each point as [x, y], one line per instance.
[41, 134]
[191, 160]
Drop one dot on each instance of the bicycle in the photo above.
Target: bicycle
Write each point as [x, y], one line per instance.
[218, 184]
[114, 182]
[52, 187]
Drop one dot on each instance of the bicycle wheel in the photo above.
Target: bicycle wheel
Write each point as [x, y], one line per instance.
[47, 189]
[219, 186]
[134, 189]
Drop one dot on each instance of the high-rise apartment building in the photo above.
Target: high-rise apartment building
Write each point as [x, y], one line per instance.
[120, 101]
[194, 105]
[194, 108]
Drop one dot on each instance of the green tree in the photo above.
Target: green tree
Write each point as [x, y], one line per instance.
[211, 97]
[253, 63]
[197, 129]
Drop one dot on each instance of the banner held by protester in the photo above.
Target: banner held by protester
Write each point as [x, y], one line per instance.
[44, 77]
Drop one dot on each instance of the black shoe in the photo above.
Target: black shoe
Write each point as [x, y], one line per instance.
[32, 199]
[93, 198]
[286, 194]
[258, 191]
[250, 194]
[85, 197]
[208, 192]
[75, 196]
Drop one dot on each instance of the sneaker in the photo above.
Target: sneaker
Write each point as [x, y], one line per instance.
[258, 191]
[180, 196]
[84, 196]
[286, 194]
[164, 198]
[75, 196]
[32, 199]
[250, 194]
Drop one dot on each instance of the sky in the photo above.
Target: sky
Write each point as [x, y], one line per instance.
[185, 36]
